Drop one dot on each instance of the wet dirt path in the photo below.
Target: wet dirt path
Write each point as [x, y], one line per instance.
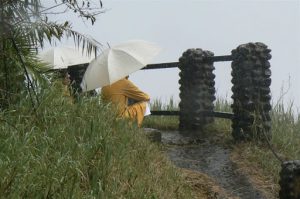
[211, 159]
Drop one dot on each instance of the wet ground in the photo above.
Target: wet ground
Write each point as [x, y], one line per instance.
[214, 160]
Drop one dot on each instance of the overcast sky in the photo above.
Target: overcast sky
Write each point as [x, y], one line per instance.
[215, 25]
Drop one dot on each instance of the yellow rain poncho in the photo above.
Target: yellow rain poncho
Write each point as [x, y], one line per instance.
[119, 92]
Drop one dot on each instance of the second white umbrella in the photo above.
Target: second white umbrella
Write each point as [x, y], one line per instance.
[62, 57]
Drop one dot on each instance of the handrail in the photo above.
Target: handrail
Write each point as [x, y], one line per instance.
[205, 113]
[176, 64]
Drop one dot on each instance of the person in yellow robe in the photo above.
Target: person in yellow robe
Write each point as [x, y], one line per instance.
[120, 92]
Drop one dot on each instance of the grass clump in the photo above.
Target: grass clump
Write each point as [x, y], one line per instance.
[162, 122]
[66, 150]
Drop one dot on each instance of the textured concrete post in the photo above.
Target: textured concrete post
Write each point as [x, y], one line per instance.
[197, 91]
[251, 92]
[290, 180]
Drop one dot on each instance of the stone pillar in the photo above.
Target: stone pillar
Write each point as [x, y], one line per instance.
[290, 180]
[197, 91]
[251, 78]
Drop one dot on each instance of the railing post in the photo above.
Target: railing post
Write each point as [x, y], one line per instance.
[251, 92]
[197, 91]
[290, 180]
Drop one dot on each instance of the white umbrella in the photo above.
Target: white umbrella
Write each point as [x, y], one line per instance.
[117, 62]
[62, 57]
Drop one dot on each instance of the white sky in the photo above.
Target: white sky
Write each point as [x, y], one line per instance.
[215, 25]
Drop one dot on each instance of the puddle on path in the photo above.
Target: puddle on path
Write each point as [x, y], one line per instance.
[210, 159]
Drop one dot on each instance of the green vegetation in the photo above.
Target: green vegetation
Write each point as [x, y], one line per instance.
[162, 122]
[285, 142]
[52, 148]
[66, 150]
[81, 151]
[24, 28]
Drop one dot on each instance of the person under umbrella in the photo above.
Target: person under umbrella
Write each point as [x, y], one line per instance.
[120, 92]
[107, 71]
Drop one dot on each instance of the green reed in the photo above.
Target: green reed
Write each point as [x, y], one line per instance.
[80, 150]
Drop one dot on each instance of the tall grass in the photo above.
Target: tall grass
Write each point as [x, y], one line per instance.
[157, 105]
[162, 122]
[80, 150]
[286, 131]
[222, 126]
[285, 141]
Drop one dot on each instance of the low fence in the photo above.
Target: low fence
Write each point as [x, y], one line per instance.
[176, 64]
[251, 90]
[205, 113]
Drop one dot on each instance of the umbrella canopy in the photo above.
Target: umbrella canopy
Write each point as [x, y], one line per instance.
[62, 57]
[117, 62]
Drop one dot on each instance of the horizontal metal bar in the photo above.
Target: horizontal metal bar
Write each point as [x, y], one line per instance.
[164, 112]
[205, 113]
[220, 58]
[161, 66]
[176, 64]
[218, 114]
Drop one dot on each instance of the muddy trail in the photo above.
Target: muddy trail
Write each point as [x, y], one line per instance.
[212, 160]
